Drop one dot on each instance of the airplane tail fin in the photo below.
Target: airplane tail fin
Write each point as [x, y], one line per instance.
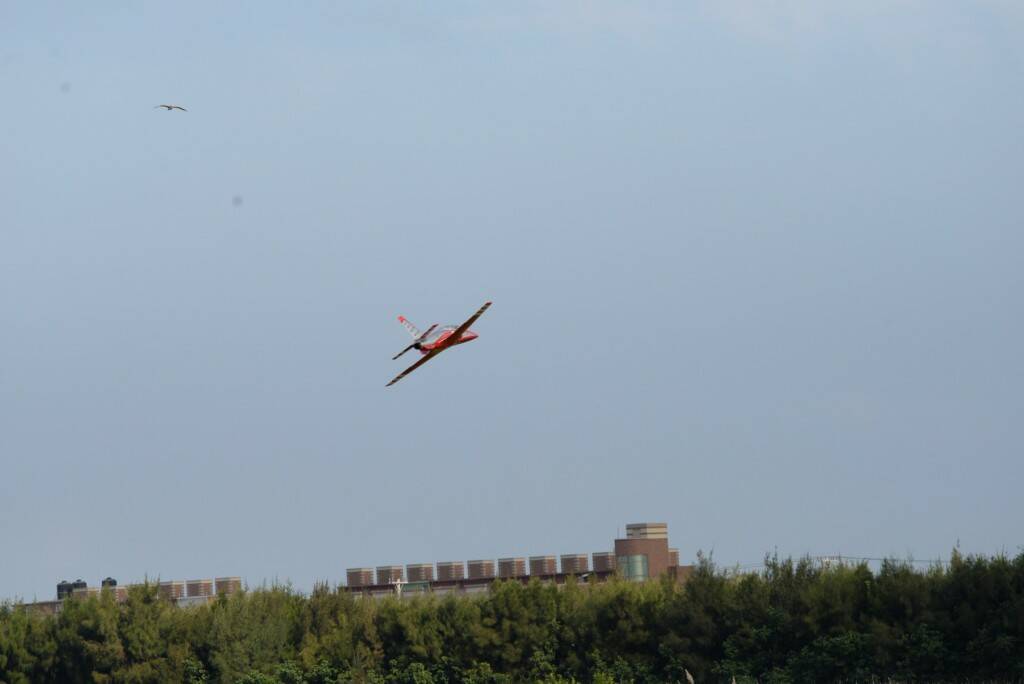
[413, 330]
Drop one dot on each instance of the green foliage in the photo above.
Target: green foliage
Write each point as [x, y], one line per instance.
[793, 622]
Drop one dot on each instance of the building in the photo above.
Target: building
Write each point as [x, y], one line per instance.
[179, 592]
[642, 555]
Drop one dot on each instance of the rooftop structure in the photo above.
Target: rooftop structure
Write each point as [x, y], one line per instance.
[647, 530]
[420, 572]
[643, 554]
[543, 565]
[198, 591]
[389, 574]
[172, 589]
[511, 567]
[448, 571]
[574, 563]
[481, 569]
[228, 585]
[359, 577]
[604, 561]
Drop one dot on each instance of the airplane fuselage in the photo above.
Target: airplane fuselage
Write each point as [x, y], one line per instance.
[441, 338]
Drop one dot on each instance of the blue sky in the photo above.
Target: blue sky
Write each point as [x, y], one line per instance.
[756, 272]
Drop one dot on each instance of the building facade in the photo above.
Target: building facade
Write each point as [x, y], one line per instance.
[359, 577]
[449, 571]
[604, 561]
[511, 567]
[420, 572]
[543, 565]
[178, 592]
[228, 585]
[481, 569]
[643, 554]
[389, 574]
[574, 563]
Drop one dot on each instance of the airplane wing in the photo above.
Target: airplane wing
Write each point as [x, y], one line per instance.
[457, 333]
[410, 369]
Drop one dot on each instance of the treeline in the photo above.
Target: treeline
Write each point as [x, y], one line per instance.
[792, 622]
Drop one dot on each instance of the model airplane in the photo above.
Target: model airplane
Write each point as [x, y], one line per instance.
[436, 340]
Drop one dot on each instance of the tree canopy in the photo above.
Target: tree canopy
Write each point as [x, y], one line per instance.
[794, 621]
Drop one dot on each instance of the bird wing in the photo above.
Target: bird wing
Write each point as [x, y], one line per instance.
[457, 333]
[431, 354]
[181, 108]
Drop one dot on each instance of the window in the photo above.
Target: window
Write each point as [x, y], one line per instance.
[633, 568]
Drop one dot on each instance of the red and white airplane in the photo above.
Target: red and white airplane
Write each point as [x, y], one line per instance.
[436, 340]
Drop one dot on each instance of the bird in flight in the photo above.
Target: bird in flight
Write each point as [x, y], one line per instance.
[170, 107]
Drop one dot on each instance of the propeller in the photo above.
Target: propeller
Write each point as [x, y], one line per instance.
[404, 350]
[416, 342]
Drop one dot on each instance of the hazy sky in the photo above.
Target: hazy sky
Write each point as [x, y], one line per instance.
[757, 272]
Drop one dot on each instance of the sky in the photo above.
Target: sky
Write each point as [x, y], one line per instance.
[756, 272]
